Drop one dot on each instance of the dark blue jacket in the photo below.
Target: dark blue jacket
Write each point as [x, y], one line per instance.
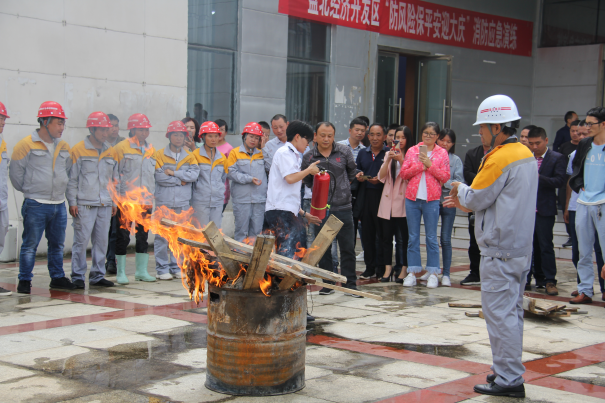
[371, 166]
[563, 136]
[552, 176]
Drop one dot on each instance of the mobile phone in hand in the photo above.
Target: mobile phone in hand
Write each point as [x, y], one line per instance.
[422, 149]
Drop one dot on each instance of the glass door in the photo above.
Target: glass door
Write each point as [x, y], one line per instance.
[388, 106]
[434, 91]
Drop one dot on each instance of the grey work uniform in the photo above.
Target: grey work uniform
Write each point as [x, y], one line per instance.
[209, 189]
[248, 199]
[171, 193]
[4, 161]
[503, 196]
[91, 174]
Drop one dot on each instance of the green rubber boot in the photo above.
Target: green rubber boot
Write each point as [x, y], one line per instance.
[121, 269]
[141, 260]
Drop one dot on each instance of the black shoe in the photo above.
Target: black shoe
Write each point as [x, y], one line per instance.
[490, 378]
[385, 279]
[367, 274]
[61, 283]
[310, 318]
[567, 244]
[471, 279]
[4, 292]
[527, 286]
[348, 294]
[78, 284]
[110, 267]
[495, 390]
[24, 287]
[326, 291]
[102, 283]
[399, 280]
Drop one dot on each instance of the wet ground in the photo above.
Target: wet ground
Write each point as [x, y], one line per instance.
[146, 342]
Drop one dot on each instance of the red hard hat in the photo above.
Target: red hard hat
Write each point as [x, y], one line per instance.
[253, 128]
[138, 121]
[51, 109]
[209, 127]
[176, 126]
[3, 110]
[98, 119]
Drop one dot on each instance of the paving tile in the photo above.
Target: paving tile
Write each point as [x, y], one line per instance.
[195, 358]
[547, 346]
[338, 312]
[38, 359]
[539, 394]
[70, 310]
[351, 389]
[354, 331]
[482, 352]
[38, 302]
[423, 396]
[111, 343]
[146, 323]
[116, 396]
[20, 318]
[585, 389]
[8, 373]
[149, 298]
[312, 372]
[334, 359]
[394, 321]
[78, 334]
[291, 398]
[412, 374]
[592, 374]
[44, 389]
[22, 343]
[189, 388]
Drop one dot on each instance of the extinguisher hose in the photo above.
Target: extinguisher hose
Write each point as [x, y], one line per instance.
[333, 189]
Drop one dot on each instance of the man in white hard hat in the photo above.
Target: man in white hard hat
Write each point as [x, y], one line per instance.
[503, 197]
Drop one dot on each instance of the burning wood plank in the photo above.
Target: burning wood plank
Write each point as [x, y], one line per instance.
[218, 245]
[261, 253]
[322, 241]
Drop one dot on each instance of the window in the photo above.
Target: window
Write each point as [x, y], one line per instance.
[213, 27]
[307, 73]
[568, 23]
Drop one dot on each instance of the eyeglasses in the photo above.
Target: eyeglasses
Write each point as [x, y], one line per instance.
[429, 134]
[589, 125]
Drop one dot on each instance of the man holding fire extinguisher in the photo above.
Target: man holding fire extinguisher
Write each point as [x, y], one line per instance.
[332, 196]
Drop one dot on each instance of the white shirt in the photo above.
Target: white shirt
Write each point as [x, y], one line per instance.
[422, 195]
[280, 194]
[51, 149]
[271, 148]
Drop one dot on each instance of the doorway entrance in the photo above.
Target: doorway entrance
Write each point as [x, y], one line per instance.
[412, 90]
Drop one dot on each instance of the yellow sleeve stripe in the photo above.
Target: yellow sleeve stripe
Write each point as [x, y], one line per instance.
[189, 159]
[234, 156]
[24, 146]
[2, 148]
[501, 159]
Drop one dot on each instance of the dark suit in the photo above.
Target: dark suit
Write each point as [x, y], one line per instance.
[552, 176]
[472, 162]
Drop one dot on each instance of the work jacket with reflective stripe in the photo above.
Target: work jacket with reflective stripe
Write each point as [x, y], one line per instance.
[136, 169]
[38, 174]
[4, 160]
[209, 189]
[503, 197]
[91, 175]
[169, 190]
[242, 168]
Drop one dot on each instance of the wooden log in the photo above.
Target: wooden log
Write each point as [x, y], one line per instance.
[304, 268]
[460, 305]
[261, 253]
[219, 246]
[322, 241]
[472, 314]
[349, 291]
[287, 283]
[291, 271]
[169, 223]
[481, 315]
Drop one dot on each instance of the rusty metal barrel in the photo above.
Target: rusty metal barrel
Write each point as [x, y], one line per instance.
[256, 344]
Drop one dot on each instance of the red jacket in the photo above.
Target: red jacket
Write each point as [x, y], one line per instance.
[436, 175]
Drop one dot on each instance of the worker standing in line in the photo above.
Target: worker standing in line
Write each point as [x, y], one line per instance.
[503, 197]
[209, 188]
[113, 139]
[136, 168]
[94, 168]
[4, 160]
[175, 171]
[246, 167]
[39, 169]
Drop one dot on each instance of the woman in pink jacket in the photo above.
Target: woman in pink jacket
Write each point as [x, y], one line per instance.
[426, 174]
[392, 204]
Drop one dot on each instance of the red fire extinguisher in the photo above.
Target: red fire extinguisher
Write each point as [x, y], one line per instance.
[321, 191]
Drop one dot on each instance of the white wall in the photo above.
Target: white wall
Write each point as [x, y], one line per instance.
[120, 57]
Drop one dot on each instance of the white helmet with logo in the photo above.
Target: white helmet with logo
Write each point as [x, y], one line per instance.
[497, 109]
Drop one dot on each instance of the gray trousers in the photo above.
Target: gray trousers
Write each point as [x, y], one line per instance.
[248, 220]
[3, 227]
[502, 286]
[165, 262]
[588, 220]
[91, 224]
[206, 214]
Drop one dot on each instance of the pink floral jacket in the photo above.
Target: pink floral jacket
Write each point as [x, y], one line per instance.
[436, 175]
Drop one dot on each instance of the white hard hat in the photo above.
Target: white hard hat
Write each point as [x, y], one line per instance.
[497, 109]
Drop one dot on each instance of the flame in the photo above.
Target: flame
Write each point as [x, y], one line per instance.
[195, 267]
[265, 284]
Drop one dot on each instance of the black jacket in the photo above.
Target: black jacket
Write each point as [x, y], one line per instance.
[576, 182]
[552, 176]
[472, 162]
[342, 165]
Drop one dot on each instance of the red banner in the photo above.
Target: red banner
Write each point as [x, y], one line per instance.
[420, 20]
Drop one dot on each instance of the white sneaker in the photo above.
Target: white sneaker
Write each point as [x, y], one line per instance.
[165, 276]
[432, 282]
[359, 257]
[445, 281]
[177, 275]
[410, 280]
[425, 276]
